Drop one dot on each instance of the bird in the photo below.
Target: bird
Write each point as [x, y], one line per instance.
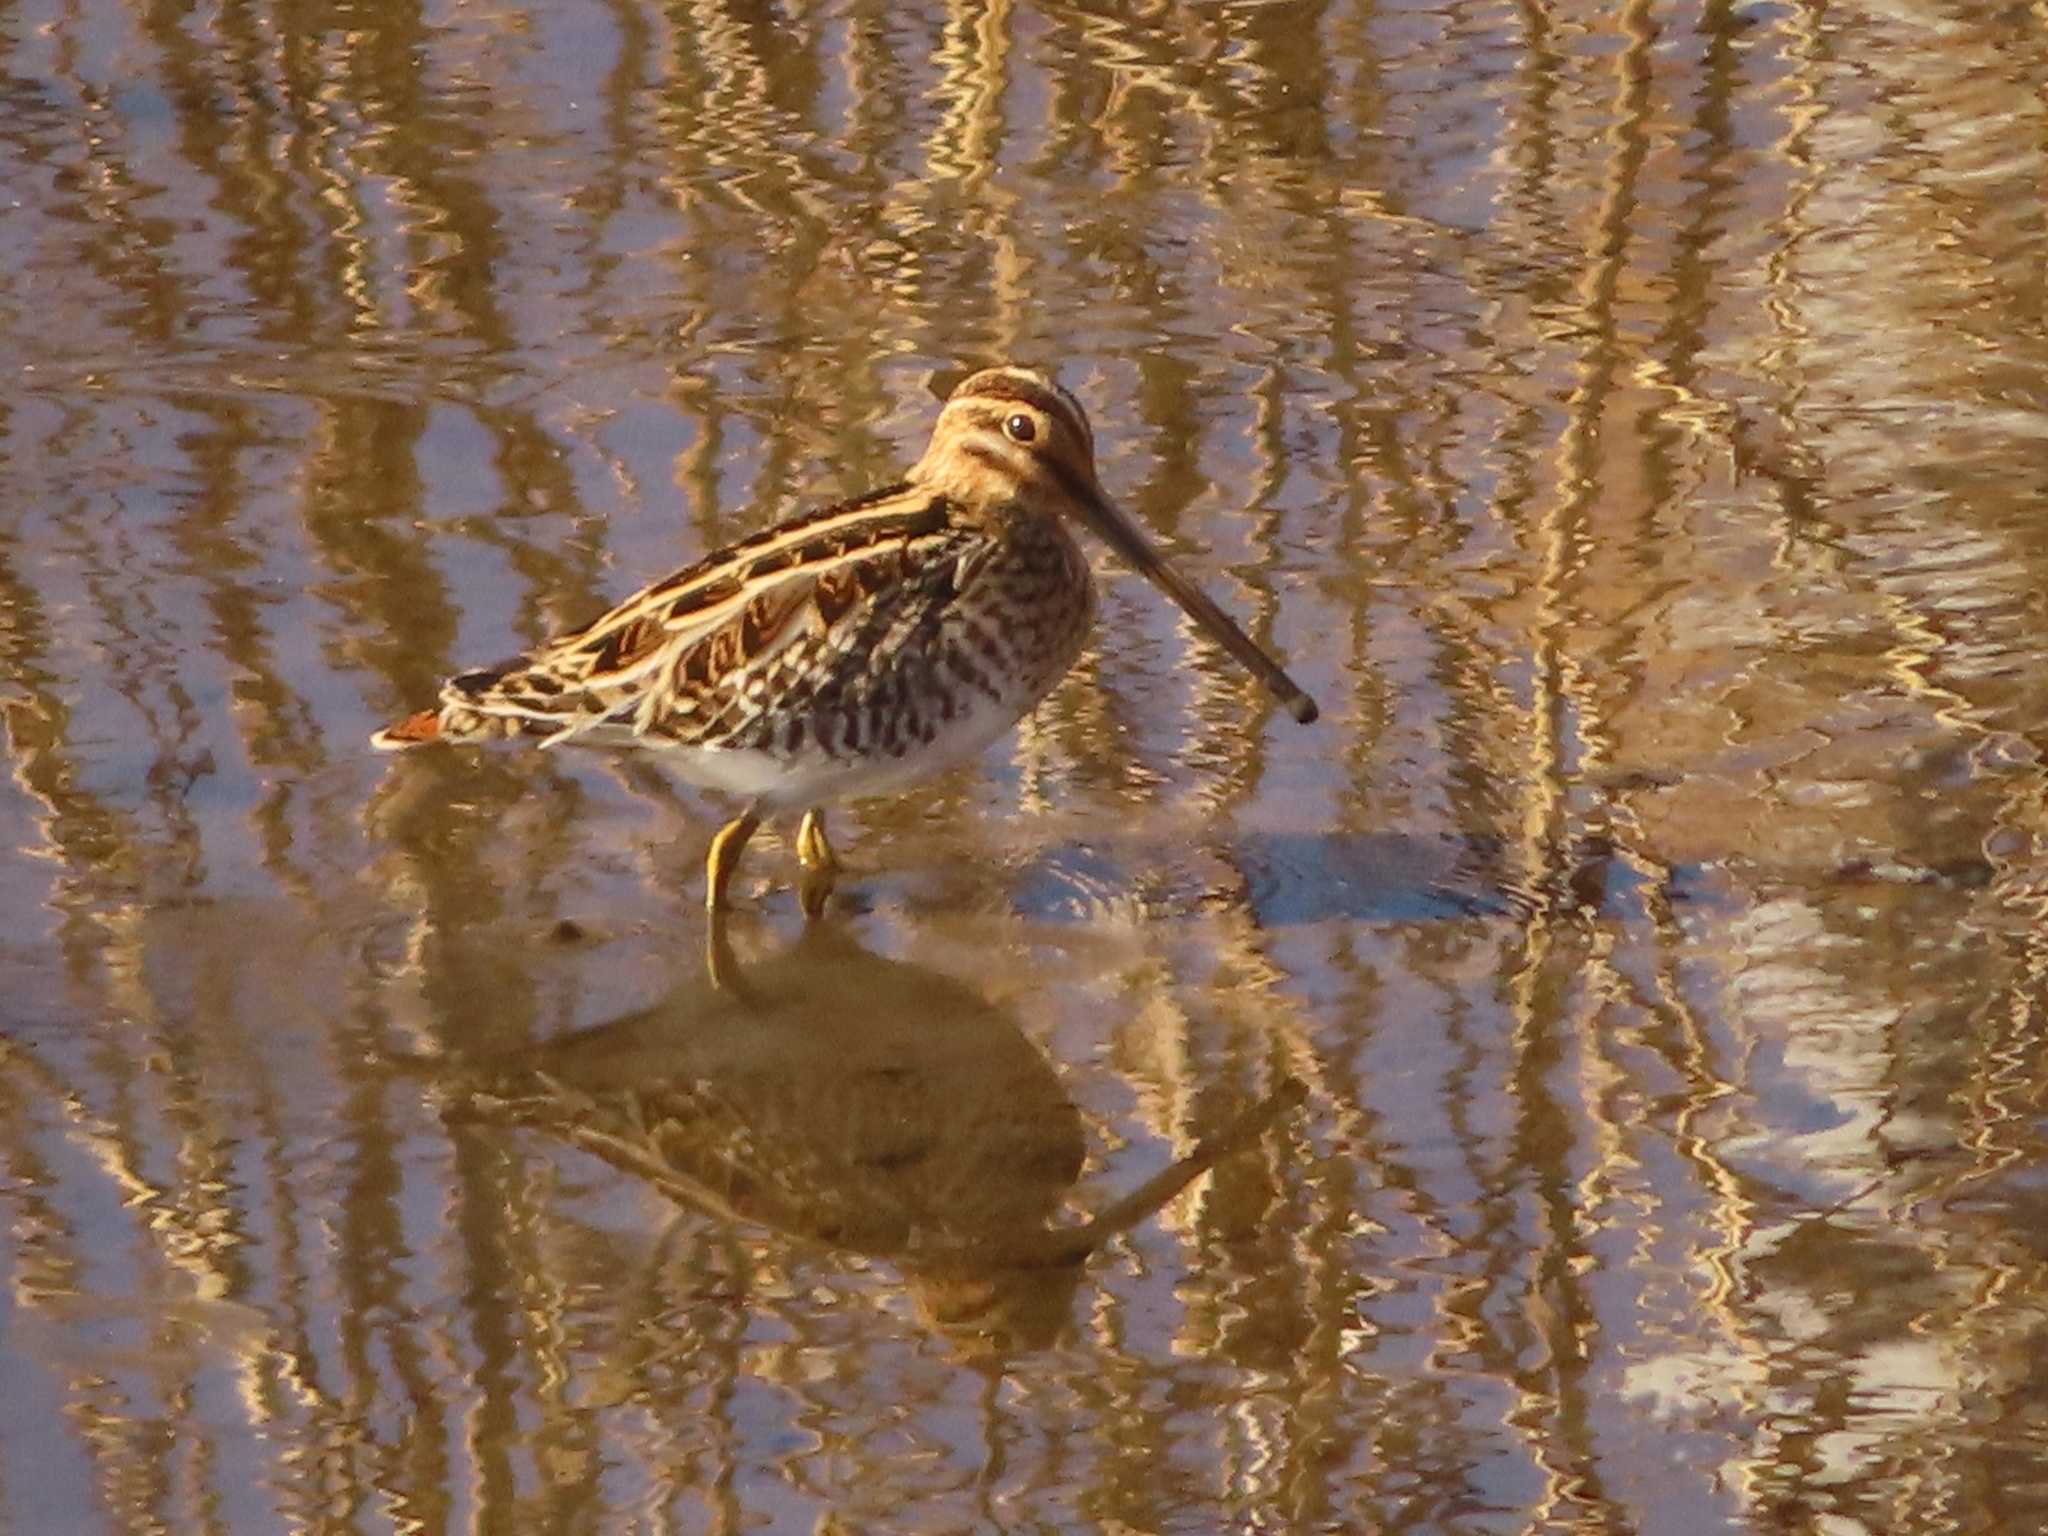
[852, 650]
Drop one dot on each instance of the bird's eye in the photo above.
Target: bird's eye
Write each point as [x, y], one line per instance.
[1021, 428]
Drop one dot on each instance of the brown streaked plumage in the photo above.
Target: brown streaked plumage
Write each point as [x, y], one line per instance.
[852, 650]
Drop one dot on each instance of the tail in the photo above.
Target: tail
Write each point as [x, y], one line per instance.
[476, 706]
[413, 731]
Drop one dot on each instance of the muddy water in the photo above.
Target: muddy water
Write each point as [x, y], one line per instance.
[1593, 1080]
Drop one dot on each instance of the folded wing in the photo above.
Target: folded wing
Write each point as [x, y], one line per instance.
[701, 657]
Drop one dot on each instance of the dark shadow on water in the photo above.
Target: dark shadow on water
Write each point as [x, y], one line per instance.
[1373, 877]
[869, 1105]
[1390, 878]
[1287, 879]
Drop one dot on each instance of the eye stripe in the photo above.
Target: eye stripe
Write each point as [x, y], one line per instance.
[993, 458]
[1022, 388]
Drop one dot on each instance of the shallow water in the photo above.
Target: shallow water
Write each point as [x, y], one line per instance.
[1595, 1079]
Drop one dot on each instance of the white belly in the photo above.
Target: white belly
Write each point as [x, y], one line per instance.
[776, 783]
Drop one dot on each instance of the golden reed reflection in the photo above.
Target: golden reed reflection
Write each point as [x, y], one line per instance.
[1636, 407]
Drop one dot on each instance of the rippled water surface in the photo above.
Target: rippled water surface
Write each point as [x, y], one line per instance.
[1594, 1080]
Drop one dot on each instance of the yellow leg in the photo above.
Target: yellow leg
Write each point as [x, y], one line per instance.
[821, 864]
[719, 963]
[813, 848]
[724, 858]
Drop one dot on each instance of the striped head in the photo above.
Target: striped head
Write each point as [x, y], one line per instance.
[1011, 434]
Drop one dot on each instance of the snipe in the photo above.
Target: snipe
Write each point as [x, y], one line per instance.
[853, 650]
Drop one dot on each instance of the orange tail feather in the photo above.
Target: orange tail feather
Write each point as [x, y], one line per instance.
[412, 731]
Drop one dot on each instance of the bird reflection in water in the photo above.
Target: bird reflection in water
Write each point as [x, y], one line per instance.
[920, 1127]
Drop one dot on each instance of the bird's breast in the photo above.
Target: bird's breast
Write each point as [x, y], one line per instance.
[1033, 604]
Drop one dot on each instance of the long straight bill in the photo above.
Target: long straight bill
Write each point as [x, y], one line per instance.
[1124, 536]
